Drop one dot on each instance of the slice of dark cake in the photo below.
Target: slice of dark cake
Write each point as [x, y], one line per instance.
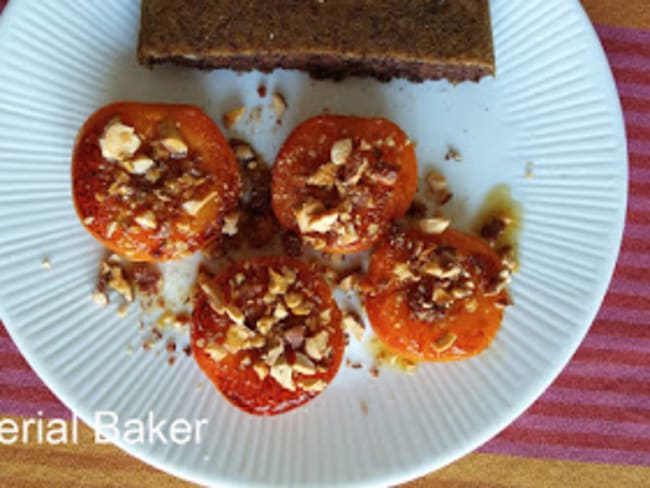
[414, 39]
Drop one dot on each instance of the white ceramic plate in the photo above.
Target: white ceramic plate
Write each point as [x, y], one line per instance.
[553, 103]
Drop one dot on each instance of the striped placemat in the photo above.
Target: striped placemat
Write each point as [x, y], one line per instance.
[591, 427]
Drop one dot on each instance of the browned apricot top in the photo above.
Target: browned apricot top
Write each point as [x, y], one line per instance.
[153, 182]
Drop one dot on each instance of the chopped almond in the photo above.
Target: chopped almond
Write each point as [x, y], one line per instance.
[147, 220]
[236, 338]
[279, 104]
[141, 164]
[312, 384]
[265, 324]
[353, 324]
[324, 176]
[193, 207]
[282, 372]
[304, 365]
[324, 222]
[436, 181]
[216, 352]
[316, 347]
[176, 147]
[445, 342]
[340, 151]
[434, 225]
[230, 222]
[232, 117]
[261, 369]
[118, 142]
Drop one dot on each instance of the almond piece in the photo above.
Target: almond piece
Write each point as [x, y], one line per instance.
[118, 142]
[139, 166]
[230, 222]
[445, 342]
[305, 214]
[353, 324]
[264, 324]
[316, 347]
[312, 384]
[279, 104]
[232, 117]
[434, 225]
[193, 207]
[147, 220]
[176, 147]
[236, 338]
[216, 352]
[436, 181]
[340, 151]
[304, 365]
[262, 370]
[282, 372]
[324, 176]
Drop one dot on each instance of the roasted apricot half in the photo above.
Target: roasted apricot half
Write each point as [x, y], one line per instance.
[435, 297]
[339, 181]
[267, 333]
[153, 182]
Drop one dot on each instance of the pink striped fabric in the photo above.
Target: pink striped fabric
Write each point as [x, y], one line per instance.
[598, 410]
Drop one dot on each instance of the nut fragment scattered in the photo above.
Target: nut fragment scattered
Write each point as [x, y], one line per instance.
[436, 181]
[279, 104]
[445, 342]
[45, 263]
[100, 298]
[316, 346]
[193, 207]
[118, 142]
[261, 369]
[453, 155]
[434, 225]
[230, 222]
[353, 324]
[349, 282]
[281, 372]
[176, 147]
[324, 222]
[304, 365]
[216, 352]
[324, 176]
[312, 384]
[147, 220]
[232, 117]
[243, 152]
[340, 151]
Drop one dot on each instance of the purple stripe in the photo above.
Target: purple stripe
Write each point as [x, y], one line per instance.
[31, 409]
[638, 204]
[637, 119]
[629, 287]
[18, 377]
[7, 346]
[640, 174]
[623, 34]
[635, 259]
[629, 61]
[633, 90]
[616, 343]
[632, 430]
[637, 231]
[565, 453]
[626, 315]
[606, 370]
[570, 396]
[637, 146]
